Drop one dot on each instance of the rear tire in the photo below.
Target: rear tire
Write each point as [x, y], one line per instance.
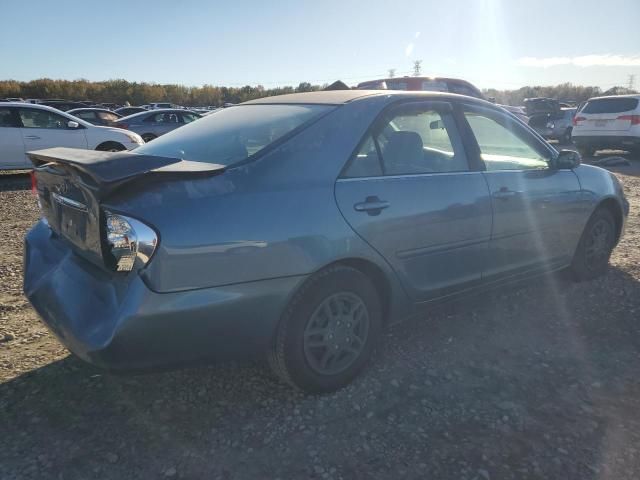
[147, 137]
[591, 258]
[566, 137]
[111, 147]
[328, 332]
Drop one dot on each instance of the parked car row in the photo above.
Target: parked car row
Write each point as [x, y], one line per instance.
[299, 226]
[25, 127]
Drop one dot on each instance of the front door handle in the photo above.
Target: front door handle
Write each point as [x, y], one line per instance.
[32, 137]
[504, 193]
[372, 205]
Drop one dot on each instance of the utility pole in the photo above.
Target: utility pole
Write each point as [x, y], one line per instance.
[417, 67]
[391, 72]
[632, 79]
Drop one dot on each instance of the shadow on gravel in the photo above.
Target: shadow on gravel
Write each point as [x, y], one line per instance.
[537, 381]
[14, 181]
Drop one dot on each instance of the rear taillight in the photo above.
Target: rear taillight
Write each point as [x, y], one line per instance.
[577, 120]
[131, 242]
[634, 119]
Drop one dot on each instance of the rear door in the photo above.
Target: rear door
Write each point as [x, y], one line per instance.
[537, 209]
[11, 144]
[607, 116]
[412, 194]
[45, 129]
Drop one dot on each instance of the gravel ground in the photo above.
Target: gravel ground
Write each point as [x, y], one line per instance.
[535, 381]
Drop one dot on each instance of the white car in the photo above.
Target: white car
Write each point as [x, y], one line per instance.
[25, 127]
[608, 123]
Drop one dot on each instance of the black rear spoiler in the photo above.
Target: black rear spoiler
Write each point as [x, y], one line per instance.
[109, 170]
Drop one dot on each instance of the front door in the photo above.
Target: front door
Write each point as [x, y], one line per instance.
[11, 146]
[412, 194]
[44, 129]
[536, 207]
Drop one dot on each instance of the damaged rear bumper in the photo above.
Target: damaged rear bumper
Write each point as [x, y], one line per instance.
[118, 323]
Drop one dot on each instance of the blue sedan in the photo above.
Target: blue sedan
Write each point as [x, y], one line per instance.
[301, 225]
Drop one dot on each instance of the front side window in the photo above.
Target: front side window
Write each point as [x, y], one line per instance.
[36, 118]
[7, 118]
[233, 134]
[412, 140]
[504, 144]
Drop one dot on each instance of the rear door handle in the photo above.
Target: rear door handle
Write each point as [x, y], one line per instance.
[504, 193]
[372, 205]
[32, 137]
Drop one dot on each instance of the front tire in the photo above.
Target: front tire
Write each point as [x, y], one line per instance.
[328, 332]
[591, 258]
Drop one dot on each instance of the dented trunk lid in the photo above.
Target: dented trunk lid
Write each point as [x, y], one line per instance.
[72, 183]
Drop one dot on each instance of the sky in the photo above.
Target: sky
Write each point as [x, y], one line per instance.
[503, 44]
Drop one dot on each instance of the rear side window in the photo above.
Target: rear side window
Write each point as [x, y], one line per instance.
[233, 134]
[413, 140]
[610, 105]
[85, 115]
[109, 117]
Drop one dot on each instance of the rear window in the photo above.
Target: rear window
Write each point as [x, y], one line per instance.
[233, 134]
[610, 105]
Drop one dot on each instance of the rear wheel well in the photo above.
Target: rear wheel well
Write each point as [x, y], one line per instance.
[110, 145]
[615, 210]
[377, 276]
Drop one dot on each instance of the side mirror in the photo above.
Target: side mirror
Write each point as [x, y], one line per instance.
[72, 124]
[567, 159]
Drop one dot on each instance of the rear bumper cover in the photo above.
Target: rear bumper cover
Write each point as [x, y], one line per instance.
[118, 323]
[606, 141]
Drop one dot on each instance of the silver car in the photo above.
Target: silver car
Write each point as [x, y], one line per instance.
[299, 226]
[151, 124]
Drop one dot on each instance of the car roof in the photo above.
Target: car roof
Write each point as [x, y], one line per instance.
[329, 97]
[337, 97]
[630, 95]
[91, 109]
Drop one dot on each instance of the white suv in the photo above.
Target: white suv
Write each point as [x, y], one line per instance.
[25, 127]
[608, 122]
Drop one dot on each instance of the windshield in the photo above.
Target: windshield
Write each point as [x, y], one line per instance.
[233, 134]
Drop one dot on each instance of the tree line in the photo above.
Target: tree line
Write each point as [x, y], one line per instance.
[565, 92]
[140, 93]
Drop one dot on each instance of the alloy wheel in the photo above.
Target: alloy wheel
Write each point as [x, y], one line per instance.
[336, 333]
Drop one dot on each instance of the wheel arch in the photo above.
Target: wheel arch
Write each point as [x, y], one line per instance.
[614, 207]
[378, 277]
